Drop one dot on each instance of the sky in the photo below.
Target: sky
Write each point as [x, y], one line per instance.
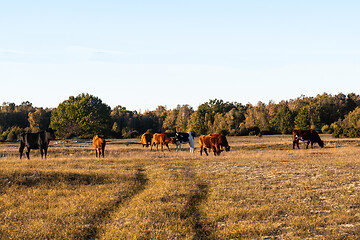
[142, 54]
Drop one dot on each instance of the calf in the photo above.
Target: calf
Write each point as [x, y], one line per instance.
[162, 139]
[310, 136]
[181, 138]
[39, 140]
[146, 139]
[99, 145]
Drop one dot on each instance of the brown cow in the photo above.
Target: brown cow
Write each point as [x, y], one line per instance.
[99, 144]
[311, 136]
[222, 141]
[211, 142]
[146, 139]
[162, 139]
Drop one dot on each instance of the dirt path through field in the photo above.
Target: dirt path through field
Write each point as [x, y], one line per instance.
[92, 226]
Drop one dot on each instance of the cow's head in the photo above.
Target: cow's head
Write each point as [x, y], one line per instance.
[227, 148]
[321, 143]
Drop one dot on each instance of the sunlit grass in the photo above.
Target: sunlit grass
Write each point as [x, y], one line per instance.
[261, 189]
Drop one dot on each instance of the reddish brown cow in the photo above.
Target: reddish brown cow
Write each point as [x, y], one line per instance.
[222, 141]
[146, 139]
[210, 142]
[99, 145]
[310, 136]
[162, 139]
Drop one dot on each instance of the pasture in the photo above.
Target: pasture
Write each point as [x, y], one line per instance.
[261, 189]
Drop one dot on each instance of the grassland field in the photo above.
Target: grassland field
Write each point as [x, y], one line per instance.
[261, 189]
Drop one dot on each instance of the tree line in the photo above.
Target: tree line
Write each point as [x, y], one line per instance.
[86, 115]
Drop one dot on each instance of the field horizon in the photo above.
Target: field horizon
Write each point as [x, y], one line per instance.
[261, 189]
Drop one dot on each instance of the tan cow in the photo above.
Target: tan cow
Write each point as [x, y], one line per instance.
[99, 145]
[146, 139]
[162, 139]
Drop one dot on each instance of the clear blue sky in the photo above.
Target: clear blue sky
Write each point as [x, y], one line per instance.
[141, 54]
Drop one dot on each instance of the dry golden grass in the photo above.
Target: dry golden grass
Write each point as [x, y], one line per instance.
[261, 189]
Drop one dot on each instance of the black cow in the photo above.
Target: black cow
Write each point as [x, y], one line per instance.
[181, 138]
[309, 136]
[39, 140]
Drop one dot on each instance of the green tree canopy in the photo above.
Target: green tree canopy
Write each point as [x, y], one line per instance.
[302, 119]
[39, 120]
[284, 120]
[81, 116]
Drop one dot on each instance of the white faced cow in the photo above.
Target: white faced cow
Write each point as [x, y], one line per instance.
[181, 138]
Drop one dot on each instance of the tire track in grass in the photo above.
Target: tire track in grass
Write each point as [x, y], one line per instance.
[91, 229]
[192, 212]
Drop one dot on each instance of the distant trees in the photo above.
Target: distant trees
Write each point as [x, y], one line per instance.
[14, 119]
[349, 126]
[283, 121]
[81, 116]
[302, 119]
[39, 120]
[86, 115]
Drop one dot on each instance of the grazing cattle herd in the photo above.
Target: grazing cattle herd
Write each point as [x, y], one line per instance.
[212, 142]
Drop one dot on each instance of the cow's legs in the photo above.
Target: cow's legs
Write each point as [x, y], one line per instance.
[151, 146]
[21, 149]
[191, 148]
[41, 152]
[178, 146]
[28, 152]
[206, 151]
[103, 151]
[167, 145]
[45, 152]
[214, 150]
[297, 144]
[307, 144]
